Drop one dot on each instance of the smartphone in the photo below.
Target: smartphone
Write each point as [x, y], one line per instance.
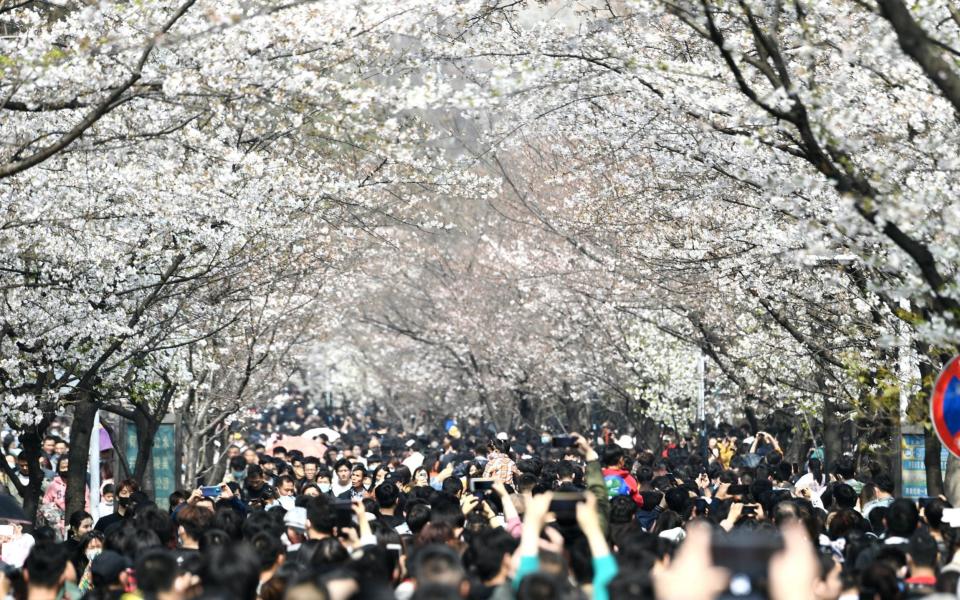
[210, 491]
[395, 550]
[748, 510]
[563, 441]
[564, 506]
[746, 554]
[343, 513]
[922, 501]
[481, 485]
[6, 530]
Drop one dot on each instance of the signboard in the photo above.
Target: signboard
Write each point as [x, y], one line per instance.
[913, 471]
[945, 406]
[163, 467]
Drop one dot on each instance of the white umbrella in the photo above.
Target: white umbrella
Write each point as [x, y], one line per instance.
[318, 431]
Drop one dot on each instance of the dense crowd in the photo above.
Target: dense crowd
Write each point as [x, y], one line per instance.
[463, 512]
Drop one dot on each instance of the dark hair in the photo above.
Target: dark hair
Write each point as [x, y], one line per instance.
[156, 572]
[933, 512]
[844, 495]
[268, 548]
[922, 549]
[77, 517]
[232, 570]
[902, 517]
[417, 516]
[622, 509]
[341, 463]
[387, 494]
[452, 486]
[884, 482]
[845, 467]
[45, 564]
[612, 456]
[194, 520]
[879, 580]
[816, 469]
[238, 463]
[320, 515]
[486, 551]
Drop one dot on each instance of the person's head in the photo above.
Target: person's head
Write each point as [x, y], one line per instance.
[921, 551]
[254, 479]
[238, 468]
[321, 518]
[387, 494]
[233, 451]
[268, 549]
[45, 566]
[421, 477]
[176, 498]
[489, 554]
[61, 448]
[49, 444]
[828, 585]
[91, 545]
[231, 571]
[342, 471]
[286, 486]
[250, 456]
[311, 466]
[81, 522]
[63, 465]
[193, 521]
[614, 457]
[933, 512]
[127, 488]
[23, 465]
[107, 493]
[884, 484]
[844, 496]
[109, 571]
[902, 518]
[815, 468]
[156, 573]
[357, 475]
[846, 468]
[439, 564]
[311, 490]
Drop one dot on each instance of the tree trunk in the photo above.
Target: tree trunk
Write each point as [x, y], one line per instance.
[30, 443]
[81, 429]
[831, 434]
[147, 427]
[951, 483]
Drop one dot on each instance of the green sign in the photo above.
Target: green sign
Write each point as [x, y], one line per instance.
[164, 458]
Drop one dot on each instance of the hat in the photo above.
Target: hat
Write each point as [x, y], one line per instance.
[296, 518]
[108, 565]
[675, 535]
[625, 442]
[503, 436]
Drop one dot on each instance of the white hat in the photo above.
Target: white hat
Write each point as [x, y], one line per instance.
[675, 535]
[625, 442]
[296, 518]
[503, 436]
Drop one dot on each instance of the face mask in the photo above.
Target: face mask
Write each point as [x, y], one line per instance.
[544, 439]
[239, 474]
[324, 487]
[92, 554]
[124, 502]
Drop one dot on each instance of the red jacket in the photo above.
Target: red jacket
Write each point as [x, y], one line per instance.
[631, 483]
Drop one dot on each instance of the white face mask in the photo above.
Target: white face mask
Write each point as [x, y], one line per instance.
[92, 554]
[324, 487]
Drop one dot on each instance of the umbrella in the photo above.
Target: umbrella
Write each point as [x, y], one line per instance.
[318, 431]
[10, 510]
[309, 446]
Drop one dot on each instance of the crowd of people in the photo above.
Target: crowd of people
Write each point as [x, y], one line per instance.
[463, 512]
